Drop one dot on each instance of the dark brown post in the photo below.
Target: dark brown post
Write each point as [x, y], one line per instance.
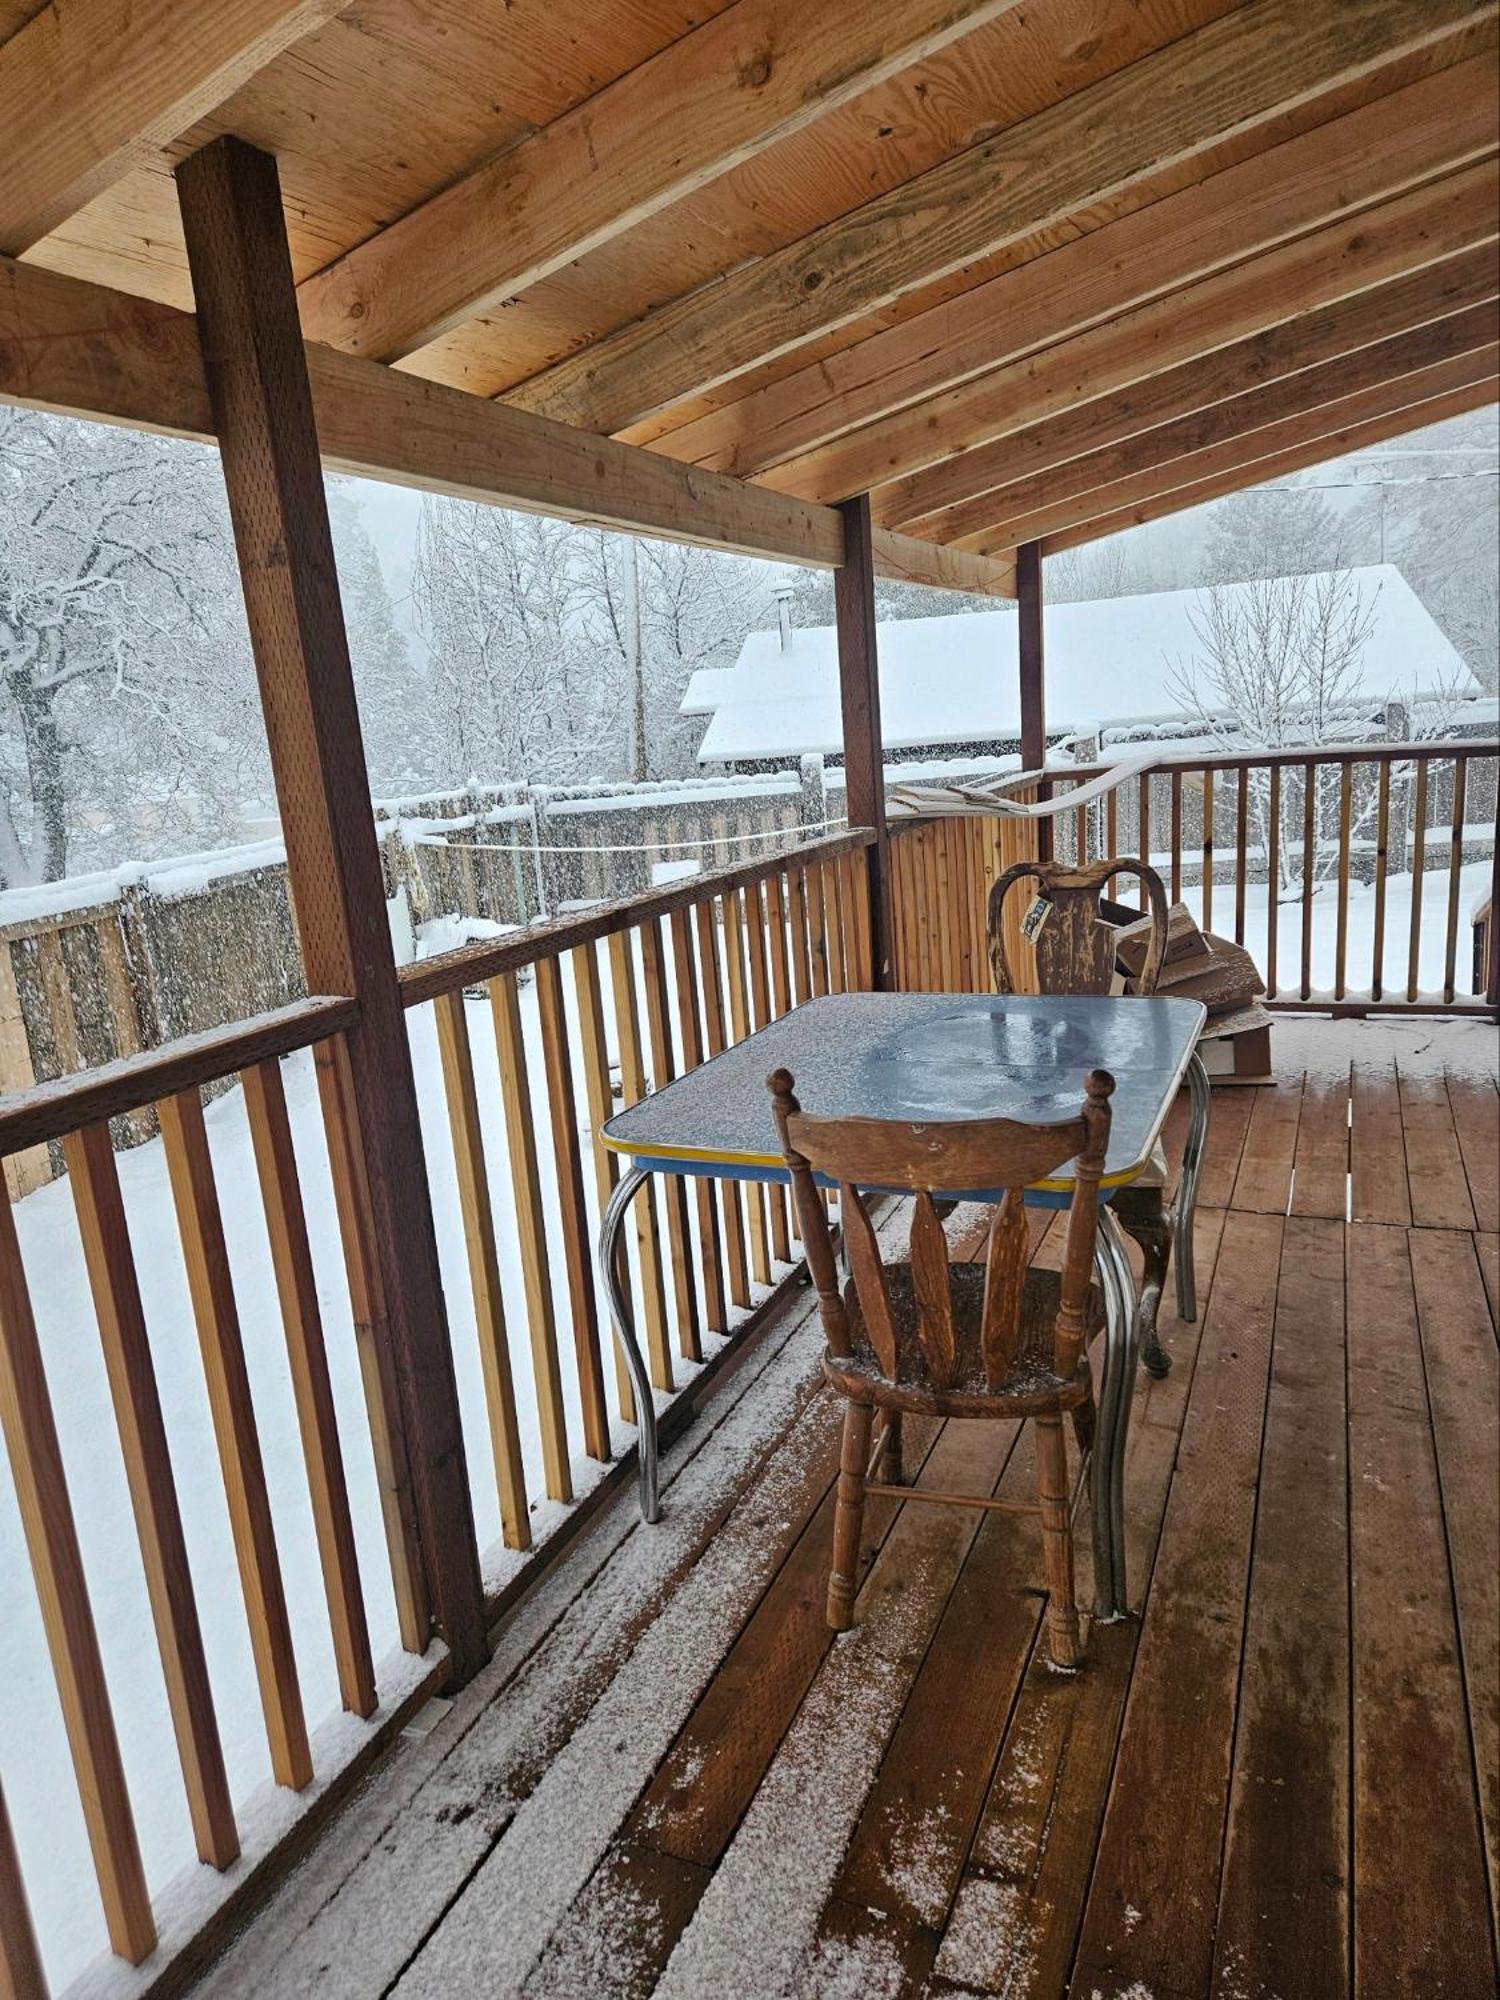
[1029, 605]
[859, 694]
[252, 347]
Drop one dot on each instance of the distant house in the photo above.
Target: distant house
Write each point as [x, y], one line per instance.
[949, 687]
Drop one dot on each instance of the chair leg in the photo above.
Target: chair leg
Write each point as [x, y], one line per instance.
[1146, 1222]
[1085, 1423]
[890, 1465]
[848, 1517]
[1064, 1641]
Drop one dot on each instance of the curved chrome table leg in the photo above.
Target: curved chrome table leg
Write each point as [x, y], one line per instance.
[623, 1321]
[1187, 1188]
[1122, 1340]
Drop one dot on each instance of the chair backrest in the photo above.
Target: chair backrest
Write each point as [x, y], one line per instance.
[962, 1156]
[1075, 952]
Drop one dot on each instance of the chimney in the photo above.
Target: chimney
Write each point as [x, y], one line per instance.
[783, 595]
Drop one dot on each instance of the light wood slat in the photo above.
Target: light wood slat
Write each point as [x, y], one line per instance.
[929, 1278]
[1273, 874]
[735, 84]
[1241, 852]
[869, 1277]
[1311, 832]
[1382, 865]
[710, 1242]
[632, 1090]
[673, 1186]
[781, 975]
[1176, 836]
[21, 1976]
[1143, 817]
[596, 1082]
[200, 1229]
[1418, 877]
[833, 927]
[739, 1028]
[760, 1002]
[1455, 863]
[312, 1389]
[376, 1359]
[93, 88]
[457, 1057]
[1226, 75]
[531, 1230]
[817, 928]
[113, 1284]
[1208, 850]
[714, 1043]
[1346, 824]
[1007, 1253]
[1367, 155]
[797, 916]
[36, 1470]
[577, 1235]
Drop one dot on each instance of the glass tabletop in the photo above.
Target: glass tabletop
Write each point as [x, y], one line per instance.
[926, 1056]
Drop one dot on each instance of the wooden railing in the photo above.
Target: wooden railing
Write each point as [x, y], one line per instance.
[1352, 875]
[581, 1015]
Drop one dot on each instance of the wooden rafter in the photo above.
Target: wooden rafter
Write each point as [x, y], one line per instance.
[85, 350]
[1293, 308]
[1394, 422]
[1045, 501]
[1368, 155]
[1235, 73]
[735, 85]
[1244, 452]
[88, 88]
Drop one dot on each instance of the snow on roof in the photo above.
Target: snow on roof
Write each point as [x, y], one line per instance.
[955, 679]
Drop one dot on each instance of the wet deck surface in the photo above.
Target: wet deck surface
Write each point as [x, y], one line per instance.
[1279, 1778]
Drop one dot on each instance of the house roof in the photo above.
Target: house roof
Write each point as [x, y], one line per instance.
[956, 679]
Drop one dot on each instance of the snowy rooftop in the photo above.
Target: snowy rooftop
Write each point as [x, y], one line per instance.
[955, 679]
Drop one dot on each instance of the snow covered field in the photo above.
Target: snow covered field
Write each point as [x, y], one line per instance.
[38, 1776]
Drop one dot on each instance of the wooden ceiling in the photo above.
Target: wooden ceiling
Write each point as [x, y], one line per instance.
[1025, 270]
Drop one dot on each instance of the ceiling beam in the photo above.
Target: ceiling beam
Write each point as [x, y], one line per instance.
[86, 351]
[1066, 492]
[941, 452]
[744, 79]
[1379, 150]
[1246, 451]
[1258, 60]
[88, 88]
[1396, 422]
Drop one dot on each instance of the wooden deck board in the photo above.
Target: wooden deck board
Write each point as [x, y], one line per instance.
[1278, 1777]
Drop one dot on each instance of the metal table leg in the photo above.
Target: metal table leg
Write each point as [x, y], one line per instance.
[1187, 1188]
[623, 1321]
[1122, 1339]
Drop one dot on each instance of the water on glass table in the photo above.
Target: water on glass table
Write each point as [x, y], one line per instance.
[922, 1056]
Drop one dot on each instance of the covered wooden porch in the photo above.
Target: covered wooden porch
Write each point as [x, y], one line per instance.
[899, 290]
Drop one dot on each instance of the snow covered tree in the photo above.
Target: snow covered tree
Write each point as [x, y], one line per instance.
[1111, 568]
[128, 714]
[1269, 532]
[394, 698]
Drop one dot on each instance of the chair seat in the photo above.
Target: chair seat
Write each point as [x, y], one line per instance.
[1029, 1386]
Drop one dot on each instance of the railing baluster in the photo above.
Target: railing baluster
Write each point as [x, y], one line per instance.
[1382, 862]
[36, 1470]
[817, 929]
[1455, 865]
[797, 915]
[600, 1100]
[1241, 852]
[673, 1186]
[1273, 875]
[21, 1976]
[531, 1231]
[1112, 821]
[312, 1387]
[1418, 870]
[1080, 829]
[710, 1242]
[1143, 817]
[714, 1041]
[110, 1262]
[1176, 835]
[484, 1264]
[834, 927]
[632, 1090]
[1310, 832]
[781, 989]
[760, 1004]
[739, 1025]
[1346, 826]
[1206, 884]
[573, 1212]
[376, 1357]
[201, 1230]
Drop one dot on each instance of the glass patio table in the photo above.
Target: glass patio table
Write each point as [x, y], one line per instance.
[931, 1056]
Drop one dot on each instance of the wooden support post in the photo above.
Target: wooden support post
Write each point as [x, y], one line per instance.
[1029, 606]
[859, 692]
[263, 417]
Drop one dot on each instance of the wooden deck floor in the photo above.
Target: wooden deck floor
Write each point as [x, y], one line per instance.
[1281, 1779]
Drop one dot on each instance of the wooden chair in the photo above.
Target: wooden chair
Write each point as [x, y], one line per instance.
[1075, 953]
[990, 1339]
